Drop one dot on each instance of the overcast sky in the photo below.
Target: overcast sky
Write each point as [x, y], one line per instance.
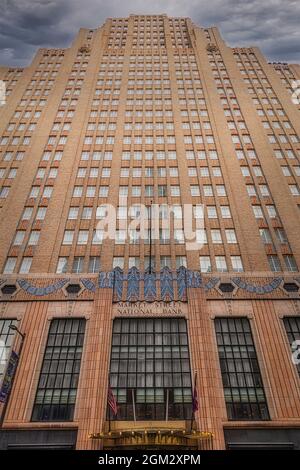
[26, 25]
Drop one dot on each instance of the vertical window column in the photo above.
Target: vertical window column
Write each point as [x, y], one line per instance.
[57, 387]
[243, 388]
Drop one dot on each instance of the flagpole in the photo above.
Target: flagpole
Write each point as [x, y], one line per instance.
[150, 254]
[167, 405]
[133, 404]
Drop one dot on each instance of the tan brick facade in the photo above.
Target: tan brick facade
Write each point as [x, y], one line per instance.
[161, 111]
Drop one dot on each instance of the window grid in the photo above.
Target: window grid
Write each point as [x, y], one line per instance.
[243, 388]
[150, 362]
[292, 328]
[6, 339]
[57, 386]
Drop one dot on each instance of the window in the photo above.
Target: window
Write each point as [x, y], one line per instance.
[62, 265]
[103, 191]
[216, 236]
[230, 235]
[73, 213]
[10, 265]
[175, 191]
[212, 212]
[290, 263]
[205, 264]
[292, 328]
[83, 236]
[225, 212]
[27, 213]
[4, 192]
[178, 235]
[237, 265]
[77, 266]
[133, 261]
[181, 261]
[148, 191]
[57, 387]
[264, 191]
[118, 262]
[165, 261]
[90, 191]
[87, 213]
[94, 264]
[41, 213]
[243, 388]
[77, 192]
[34, 237]
[258, 213]
[281, 235]
[251, 190]
[120, 237]
[6, 340]
[265, 235]
[195, 191]
[47, 191]
[272, 212]
[19, 238]
[25, 265]
[294, 190]
[221, 264]
[274, 263]
[162, 190]
[158, 375]
[68, 237]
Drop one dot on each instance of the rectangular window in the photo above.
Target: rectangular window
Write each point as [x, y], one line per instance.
[274, 263]
[25, 265]
[77, 266]
[292, 328]
[62, 265]
[6, 340]
[290, 263]
[205, 264]
[157, 375]
[57, 387]
[243, 388]
[94, 264]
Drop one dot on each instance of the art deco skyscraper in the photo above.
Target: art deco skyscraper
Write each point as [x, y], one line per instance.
[151, 110]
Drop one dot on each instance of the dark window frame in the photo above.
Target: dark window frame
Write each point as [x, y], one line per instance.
[7, 335]
[156, 368]
[54, 401]
[292, 333]
[241, 376]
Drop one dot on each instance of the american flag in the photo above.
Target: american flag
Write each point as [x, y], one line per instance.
[195, 396]
[112, 402]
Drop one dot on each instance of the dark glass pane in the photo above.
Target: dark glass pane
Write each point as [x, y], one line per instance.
[154, 374]
[242, 382]
[60, 371]
[292, 326]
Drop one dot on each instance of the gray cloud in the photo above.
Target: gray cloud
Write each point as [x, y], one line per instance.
[26, 25]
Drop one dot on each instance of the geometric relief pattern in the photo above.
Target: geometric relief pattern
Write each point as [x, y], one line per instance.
[265, 289]
[106, 280]
[118, 284]
[39, 291]
[169, 282]
[133, 285]
[166, 285]
[150, 287]
[181, 284]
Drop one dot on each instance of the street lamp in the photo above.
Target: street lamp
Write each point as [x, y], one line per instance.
[22, 335]
[15, 328]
